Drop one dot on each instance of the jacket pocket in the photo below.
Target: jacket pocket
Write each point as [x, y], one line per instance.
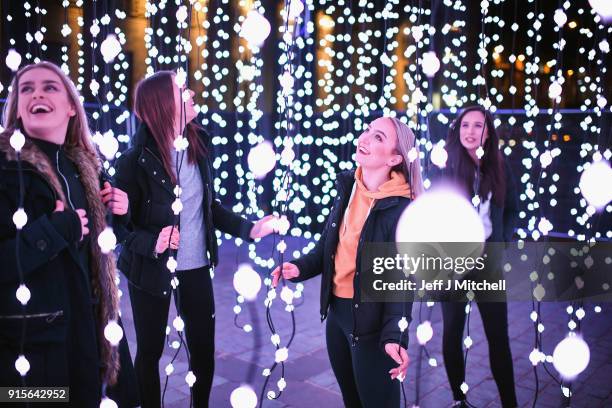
[41, 328]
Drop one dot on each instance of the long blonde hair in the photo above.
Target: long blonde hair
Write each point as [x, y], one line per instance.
[77, 134]
[406, 141]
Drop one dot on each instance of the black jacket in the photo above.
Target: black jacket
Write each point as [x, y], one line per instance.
[141, 174]
[369, 318]
[60, 340]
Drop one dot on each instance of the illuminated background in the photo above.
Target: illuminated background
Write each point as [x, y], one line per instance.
[332, 67]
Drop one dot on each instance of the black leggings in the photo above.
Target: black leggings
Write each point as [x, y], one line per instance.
[495, 321]
[197, 306]
[362, 371]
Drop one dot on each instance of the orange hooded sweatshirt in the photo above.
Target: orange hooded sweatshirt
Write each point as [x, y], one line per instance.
[355, 215]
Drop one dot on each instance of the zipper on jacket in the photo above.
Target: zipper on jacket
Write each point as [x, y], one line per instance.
[49, 317]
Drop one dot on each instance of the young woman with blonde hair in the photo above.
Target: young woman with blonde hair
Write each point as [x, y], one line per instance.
[366, 348]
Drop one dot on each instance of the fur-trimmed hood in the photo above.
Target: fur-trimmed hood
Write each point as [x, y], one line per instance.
[102, 266]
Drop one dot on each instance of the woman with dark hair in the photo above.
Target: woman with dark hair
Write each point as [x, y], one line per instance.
[149, 172]
[365, 344]
[73, 296]
[476, 165]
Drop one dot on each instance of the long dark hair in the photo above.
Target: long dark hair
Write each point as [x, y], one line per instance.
[154, 105]
[462, 168]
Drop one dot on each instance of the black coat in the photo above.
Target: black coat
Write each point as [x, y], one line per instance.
[369, 318]
[61, 343]
[141, 174]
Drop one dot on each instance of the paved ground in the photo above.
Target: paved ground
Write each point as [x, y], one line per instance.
[241, 356]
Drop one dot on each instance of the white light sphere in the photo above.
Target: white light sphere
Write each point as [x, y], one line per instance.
[107, 144]
[296, 7]
[169, 369]
[546, 159]
[603, 8]
[424, 332]
[178, 324]
[171, 264]
[430, 63]
[190, 379]
[544, 226]
[261, 159]
[439, 155]
[177, 206]
[107, 241]
[23, 294]
[440, 215]
[17, 140]
[281, 354]
[596, 184]
[108, 403]
[571, 357]
[403, 324]
[20, 218]
[181, 14]
[287, 295]
[247, 282]
[554, 90]
[110, 48]
[13, 60]
[22, 365]
[255, 28]
[560, 17]
[113, 333]
[243, 397]
[287, 82]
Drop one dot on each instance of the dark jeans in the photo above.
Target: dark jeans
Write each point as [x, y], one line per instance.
[495, 321]
[362, 370]
[197, 306]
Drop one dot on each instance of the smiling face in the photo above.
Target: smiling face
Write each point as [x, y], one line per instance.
[471, 130]
[376, 146]
[44, 105]
[188, 111]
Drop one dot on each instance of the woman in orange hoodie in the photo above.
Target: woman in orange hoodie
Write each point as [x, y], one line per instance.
[366, 347]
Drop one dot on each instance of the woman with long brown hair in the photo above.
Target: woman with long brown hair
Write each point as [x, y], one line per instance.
[56, 178]
[476, 165]
[149, 172]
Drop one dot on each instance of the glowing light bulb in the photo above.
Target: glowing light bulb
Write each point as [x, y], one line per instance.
[17, 140]
[281, 355]
[108, 403]
[424, 332]
[23, 294]
[110, 48]
[430, 63]
[13, 60]
[571, 357]
[113, 333]
[243, 397]
[261, 159]
[107, 241]
[178, 324]
[22, 365]
[247, 282]
[255, 28]
[20, 218]
[190, 379]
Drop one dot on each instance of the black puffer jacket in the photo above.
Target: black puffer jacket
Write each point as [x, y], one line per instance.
[369, 318]
[142, 176]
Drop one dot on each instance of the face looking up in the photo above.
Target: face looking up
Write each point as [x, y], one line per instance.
[376, 146]
[471, 130]
[188, 111]
[44, 105]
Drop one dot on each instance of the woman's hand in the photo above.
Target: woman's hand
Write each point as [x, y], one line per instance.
[289, 271]
[264, 227]
[59, 207]
[400, 356]
[115, 199]
[165, 239]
